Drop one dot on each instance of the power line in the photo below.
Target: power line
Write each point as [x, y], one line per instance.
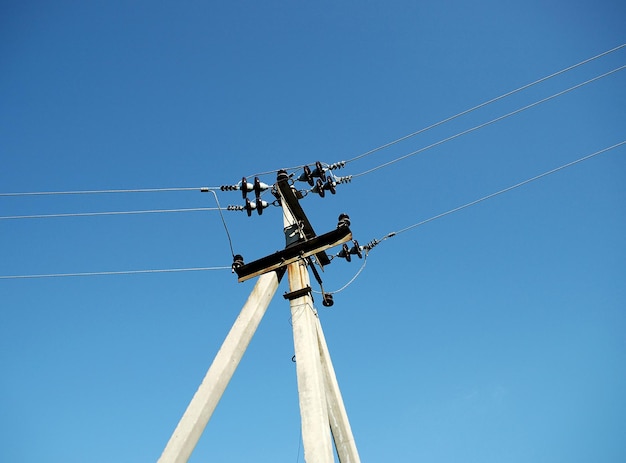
[91, 214]
[492, 121]
[481, 105]
[497, 193]
[367, 153]
[123, 272]
[219, 208]
[368, 248]
[94, 192]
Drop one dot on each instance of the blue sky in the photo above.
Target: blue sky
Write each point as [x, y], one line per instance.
[493, 334]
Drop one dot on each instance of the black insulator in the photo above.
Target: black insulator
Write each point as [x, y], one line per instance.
[345, 252]
[306, 176]
[237, 261]
[344, 221]
[356, 249]
[260, 205]
[249, 207]
[282, 176]
[319, 171]
[327, 300]
[319, 188]
[330, 186]
[245, 187]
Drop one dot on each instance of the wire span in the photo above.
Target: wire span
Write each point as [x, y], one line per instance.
[497, 193]
[488, 102]
[219, 208]
[96, 192]
[492, 121]
[92, 214]
[123, 272]
[356, 275]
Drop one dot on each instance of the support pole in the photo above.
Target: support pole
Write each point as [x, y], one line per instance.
[201, 407]
[338, 417]
[311, 389]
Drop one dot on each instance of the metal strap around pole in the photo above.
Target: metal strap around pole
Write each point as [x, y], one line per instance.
[194, 420]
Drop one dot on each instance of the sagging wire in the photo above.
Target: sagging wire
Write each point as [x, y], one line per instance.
[121, 272]
[230, 241]
[375, 242]
[488, 102]
[356, 275]
[93, 214]
[92, 192]
[492, 121]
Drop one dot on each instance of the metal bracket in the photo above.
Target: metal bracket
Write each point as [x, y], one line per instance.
[297, 293]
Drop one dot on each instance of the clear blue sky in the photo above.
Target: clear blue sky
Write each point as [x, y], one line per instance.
[494, 334]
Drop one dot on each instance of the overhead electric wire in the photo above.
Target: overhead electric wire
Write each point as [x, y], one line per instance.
[492, 121]
[356, 275]
[94, 192]
[122, 272]
[219, 208]
[488, 102]
[367, 153]
[505, 190]
[91, 214]
[376, 242]
[294, 168]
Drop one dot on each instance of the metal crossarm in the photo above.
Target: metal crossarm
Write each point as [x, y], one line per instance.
[302, 249]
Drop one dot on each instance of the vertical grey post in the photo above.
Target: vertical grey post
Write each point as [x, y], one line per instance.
[311, 388]
[339, 423]
[201, 407]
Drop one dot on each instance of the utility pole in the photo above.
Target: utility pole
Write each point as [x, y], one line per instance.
[321, 405]
[203, 403]
[320, 399]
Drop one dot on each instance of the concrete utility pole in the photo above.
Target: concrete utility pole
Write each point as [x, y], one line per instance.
[321, 405]
[201, 407]
[310, 375]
